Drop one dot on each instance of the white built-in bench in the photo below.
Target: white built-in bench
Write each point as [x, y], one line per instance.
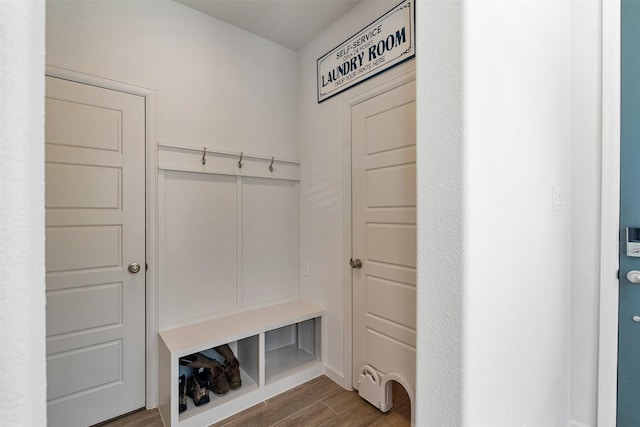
[278, 348]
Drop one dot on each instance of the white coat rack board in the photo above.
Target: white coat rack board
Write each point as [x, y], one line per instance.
[205, 159]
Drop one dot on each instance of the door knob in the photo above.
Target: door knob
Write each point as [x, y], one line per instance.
[358, 264]
[134, 267]
[634, 276]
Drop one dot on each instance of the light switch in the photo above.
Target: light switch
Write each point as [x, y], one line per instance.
[558, 199]
[305, 269]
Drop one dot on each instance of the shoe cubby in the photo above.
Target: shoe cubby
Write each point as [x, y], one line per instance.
[246, 351]
[291, 348]
[278, 347]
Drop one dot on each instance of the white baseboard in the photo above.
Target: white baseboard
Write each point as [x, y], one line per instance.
[574, 423]
[335, 376]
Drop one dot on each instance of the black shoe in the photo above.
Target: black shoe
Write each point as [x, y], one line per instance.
[182, 394]
[198, 388]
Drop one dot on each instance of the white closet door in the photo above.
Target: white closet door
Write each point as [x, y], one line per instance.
[95, 228]
[384, 233]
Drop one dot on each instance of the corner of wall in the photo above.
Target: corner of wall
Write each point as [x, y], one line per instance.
[586, 200]
[335, 375]
[22, 216]
[440, 178]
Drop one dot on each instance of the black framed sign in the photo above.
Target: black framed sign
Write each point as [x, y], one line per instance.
[386, 42]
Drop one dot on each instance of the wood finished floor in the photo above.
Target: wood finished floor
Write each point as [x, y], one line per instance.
[317, 403]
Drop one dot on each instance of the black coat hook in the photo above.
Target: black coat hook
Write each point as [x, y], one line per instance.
[204, 156]
[271, 165]
[240, 161]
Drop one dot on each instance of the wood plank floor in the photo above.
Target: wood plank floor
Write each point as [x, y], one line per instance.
[317, 403]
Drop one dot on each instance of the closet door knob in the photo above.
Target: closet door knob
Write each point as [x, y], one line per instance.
[134, 267]
[356, 264]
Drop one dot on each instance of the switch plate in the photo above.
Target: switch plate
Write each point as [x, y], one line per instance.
[558, 199]
[305, 269]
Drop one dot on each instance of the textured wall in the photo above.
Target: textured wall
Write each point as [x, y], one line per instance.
[440, 174]
[520, 271]
[216, 85]
[495, 273]
[518, 246]
[22, 303]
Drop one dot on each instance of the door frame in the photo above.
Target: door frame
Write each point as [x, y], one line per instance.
[151, 166]
[404, 78]
[610, 215]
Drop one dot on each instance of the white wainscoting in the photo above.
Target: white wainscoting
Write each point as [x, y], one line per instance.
[228, 236]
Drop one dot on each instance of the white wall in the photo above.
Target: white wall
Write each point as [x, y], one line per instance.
[22, 302]
[518, 148]
[586, 131]
[216, 85]
[321, 145]
[513, 139]
[440, 174]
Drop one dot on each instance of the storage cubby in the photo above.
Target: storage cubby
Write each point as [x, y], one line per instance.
[291, 348]
[246, 351]
[278, 347]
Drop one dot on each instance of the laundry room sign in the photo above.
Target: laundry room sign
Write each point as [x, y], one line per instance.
[388, 41]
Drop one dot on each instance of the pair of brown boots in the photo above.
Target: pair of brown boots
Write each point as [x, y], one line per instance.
[215, 377]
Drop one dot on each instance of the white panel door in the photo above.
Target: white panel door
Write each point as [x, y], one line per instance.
[95, 228]
[384, 233]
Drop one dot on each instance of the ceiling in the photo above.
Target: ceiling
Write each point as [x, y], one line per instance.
[290, 23]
